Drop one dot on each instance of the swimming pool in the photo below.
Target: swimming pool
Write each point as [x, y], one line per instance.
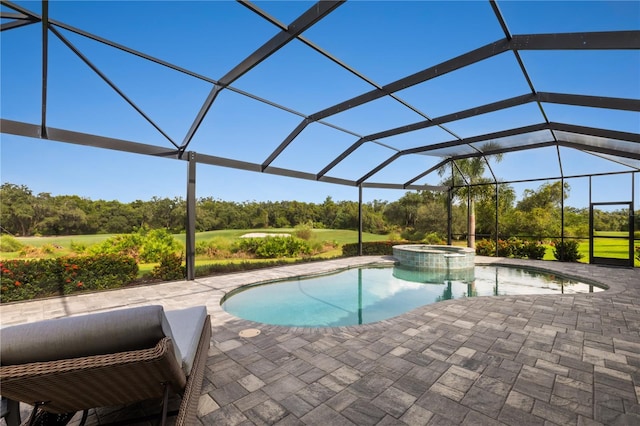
[369, 294]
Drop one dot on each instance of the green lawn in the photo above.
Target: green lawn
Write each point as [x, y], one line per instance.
[341, 236]
[603, 247]
[606, 247]
[62, 244]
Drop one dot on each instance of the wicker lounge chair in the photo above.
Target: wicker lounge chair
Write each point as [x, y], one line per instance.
[107, 359]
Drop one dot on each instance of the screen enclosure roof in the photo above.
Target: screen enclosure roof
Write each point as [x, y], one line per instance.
[360, 93]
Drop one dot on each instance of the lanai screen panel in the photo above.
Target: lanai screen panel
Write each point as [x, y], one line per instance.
[378, 94]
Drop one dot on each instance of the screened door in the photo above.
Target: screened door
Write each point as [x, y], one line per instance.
[611, 233]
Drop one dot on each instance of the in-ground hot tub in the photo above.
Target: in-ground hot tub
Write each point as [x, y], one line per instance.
[434, 257]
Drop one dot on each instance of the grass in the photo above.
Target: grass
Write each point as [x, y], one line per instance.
[603, 247]
[606, 247]
[64, 241]
[340, 236]
[62, 244]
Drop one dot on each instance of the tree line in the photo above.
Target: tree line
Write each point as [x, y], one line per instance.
[25, 214]
[413, 216]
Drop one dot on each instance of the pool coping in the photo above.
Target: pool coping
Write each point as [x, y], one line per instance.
[388, 262]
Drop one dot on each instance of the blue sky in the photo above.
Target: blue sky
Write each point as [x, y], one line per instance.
[383, 40]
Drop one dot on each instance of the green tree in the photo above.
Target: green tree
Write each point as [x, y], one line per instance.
[469, 175]
[537, 214]
[64, 216]
[18, 212]
[486, 210]
[547, 196]
[329, 211]
[404, 211]
[576, 222]
[167, 213]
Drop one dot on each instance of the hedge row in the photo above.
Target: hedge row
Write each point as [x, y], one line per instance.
[373, 248]
[29, 279]
[507, 248]
[512, 247]
[274, 247]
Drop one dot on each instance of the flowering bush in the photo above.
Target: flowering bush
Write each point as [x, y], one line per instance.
[485, 248]
[28, 279]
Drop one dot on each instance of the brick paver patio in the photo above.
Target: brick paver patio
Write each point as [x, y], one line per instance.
[514, 360]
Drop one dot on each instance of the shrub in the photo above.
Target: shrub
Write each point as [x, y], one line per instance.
[507, 248]
[394, 236]
[125, 245]
[31, 251]
[78, 247]
[214, 248]
[638, 252]
[28, 279]
[485, 248]
[170, 268]
[274, 247]
[47, 248]
[144, 245]
[158, 244]
[566, 251]
[101, 272]
[9, 244]
[304, 231]
[533, 250]
[513, 247]
[372, 248]
[225, 268]
[411, 234]
[434, 238]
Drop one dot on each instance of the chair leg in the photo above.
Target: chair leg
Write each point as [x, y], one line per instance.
[34, 413]
[165, 404]
[11, 412]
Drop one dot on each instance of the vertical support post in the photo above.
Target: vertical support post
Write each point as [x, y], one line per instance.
[191, 217]
[497, 234]
[359, 295]
[562, 215]
[449, 216]
[590, 224]
[469, 216]
[632, 221]
[45, 67]
[359, 220]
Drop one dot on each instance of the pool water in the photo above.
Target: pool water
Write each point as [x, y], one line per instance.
[370, 294]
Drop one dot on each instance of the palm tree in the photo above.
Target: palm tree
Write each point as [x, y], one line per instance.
[468, 173]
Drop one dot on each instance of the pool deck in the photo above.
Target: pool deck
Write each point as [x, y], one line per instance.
[514, 360]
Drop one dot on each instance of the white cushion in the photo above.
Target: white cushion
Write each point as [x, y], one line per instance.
[187, 325]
